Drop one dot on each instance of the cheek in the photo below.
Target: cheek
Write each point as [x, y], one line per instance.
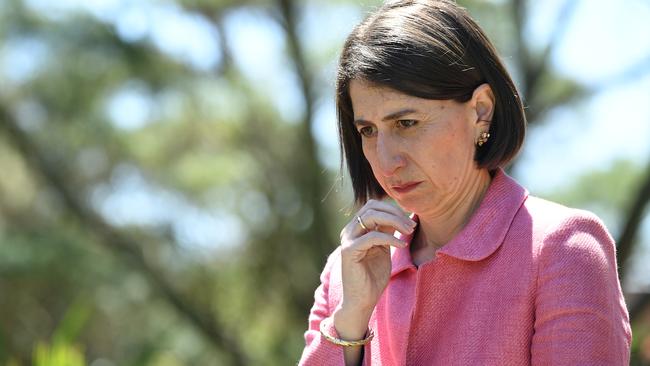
[448, 153]
[441, 145]
[370, 153]
[367, 152]
[460, 142]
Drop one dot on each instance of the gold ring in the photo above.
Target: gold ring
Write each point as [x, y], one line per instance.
[361, 223]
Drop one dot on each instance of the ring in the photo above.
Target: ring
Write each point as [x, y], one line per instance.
[362, 224]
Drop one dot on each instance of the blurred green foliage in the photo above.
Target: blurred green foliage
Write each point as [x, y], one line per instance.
[215, 204]
[59, 354]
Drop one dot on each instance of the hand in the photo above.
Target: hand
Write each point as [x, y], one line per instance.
[366, 262]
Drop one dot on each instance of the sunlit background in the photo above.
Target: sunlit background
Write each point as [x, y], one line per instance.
[170, 169]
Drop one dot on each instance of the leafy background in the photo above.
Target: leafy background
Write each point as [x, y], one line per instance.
[170, 173]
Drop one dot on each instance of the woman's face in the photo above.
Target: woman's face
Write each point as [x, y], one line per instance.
[421, 151]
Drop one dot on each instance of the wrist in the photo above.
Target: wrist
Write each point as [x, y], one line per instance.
[351, 324]
[328, 332]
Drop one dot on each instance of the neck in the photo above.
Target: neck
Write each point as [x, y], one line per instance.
[438, 228]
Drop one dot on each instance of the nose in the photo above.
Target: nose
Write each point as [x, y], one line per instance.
[390, 155]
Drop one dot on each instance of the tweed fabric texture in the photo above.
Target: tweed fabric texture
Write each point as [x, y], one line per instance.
[525, 282]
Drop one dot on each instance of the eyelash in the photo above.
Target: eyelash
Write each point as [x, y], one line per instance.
[411, 123]
[370, 131]
[401, 124]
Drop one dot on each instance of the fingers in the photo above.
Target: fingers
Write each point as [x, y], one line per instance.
[358, 248]
[377, 216]
[373, 219]
[381, 206]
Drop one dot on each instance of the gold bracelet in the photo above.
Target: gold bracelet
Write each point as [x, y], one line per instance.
[342, 342]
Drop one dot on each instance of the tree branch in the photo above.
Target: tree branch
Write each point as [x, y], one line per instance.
[313, 170]
[309, 172]
[119, 243]
[639, 306]
[633, 220]
[538, 68]
[533, 68]
[215, 17]
[523, 55]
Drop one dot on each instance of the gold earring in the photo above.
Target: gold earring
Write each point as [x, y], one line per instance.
[483, 138]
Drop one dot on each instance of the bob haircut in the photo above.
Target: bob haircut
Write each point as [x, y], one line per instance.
[429, 49]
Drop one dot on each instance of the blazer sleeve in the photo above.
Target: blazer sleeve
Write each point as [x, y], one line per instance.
[580, 313]
[318, 350]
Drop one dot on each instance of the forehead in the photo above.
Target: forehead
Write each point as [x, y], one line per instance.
[373, 102]
[362, 91]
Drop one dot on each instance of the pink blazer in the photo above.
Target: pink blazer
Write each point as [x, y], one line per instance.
[526, 282]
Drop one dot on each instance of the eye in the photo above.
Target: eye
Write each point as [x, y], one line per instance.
[406, 123]
[367, 131]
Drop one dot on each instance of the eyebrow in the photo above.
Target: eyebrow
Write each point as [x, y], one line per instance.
[394, 115]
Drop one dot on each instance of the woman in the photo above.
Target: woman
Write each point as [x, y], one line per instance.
[480, 273]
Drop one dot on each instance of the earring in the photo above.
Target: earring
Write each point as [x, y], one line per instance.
[483, 138]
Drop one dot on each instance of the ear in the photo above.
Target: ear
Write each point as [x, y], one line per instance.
[482, 103]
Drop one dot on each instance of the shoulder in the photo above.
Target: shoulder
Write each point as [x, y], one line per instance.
[568, 234]
[555, 220]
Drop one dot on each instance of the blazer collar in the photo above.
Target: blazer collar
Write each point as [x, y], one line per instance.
[485, 231]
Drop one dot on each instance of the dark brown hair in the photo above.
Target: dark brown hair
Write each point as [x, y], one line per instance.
[428, 49]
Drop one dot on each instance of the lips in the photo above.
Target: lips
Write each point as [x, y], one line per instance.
[405, 188]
